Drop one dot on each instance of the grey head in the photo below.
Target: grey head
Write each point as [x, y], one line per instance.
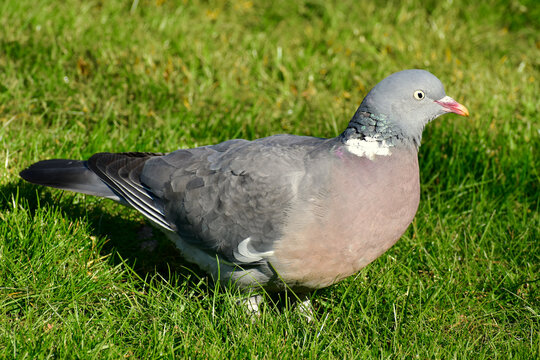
[397, 108]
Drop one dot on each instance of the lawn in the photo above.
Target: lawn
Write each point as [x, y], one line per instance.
[82, 277]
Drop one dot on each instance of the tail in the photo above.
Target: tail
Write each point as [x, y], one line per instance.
[112, 176]
[73, 175]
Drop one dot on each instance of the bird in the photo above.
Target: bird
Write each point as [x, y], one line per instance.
[284, 211]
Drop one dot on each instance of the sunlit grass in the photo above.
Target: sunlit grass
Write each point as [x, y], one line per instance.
[82, 277]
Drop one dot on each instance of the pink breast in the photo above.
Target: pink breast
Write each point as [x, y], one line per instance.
[367, 208]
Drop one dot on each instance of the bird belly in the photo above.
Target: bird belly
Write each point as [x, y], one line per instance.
[339, 233]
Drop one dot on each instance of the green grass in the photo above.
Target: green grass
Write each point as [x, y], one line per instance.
[82, 277]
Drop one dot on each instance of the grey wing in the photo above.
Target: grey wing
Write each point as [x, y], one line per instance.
[231, 198]
[121, 173]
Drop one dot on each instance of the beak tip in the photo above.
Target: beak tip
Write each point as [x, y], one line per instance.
[452, 105]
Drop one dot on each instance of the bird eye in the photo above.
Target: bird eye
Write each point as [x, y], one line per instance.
[419, 95]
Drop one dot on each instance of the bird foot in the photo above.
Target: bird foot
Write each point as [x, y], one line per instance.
[305, 308]
[252, 305]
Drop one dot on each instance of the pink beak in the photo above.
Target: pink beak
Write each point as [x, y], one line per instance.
[451, 105]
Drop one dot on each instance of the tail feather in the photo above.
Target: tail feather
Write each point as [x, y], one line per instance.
[113, 176]
[72, 175]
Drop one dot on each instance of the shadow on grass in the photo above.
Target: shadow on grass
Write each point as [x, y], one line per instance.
[128, 238]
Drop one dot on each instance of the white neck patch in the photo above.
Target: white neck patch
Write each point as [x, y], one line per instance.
[368, 147]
